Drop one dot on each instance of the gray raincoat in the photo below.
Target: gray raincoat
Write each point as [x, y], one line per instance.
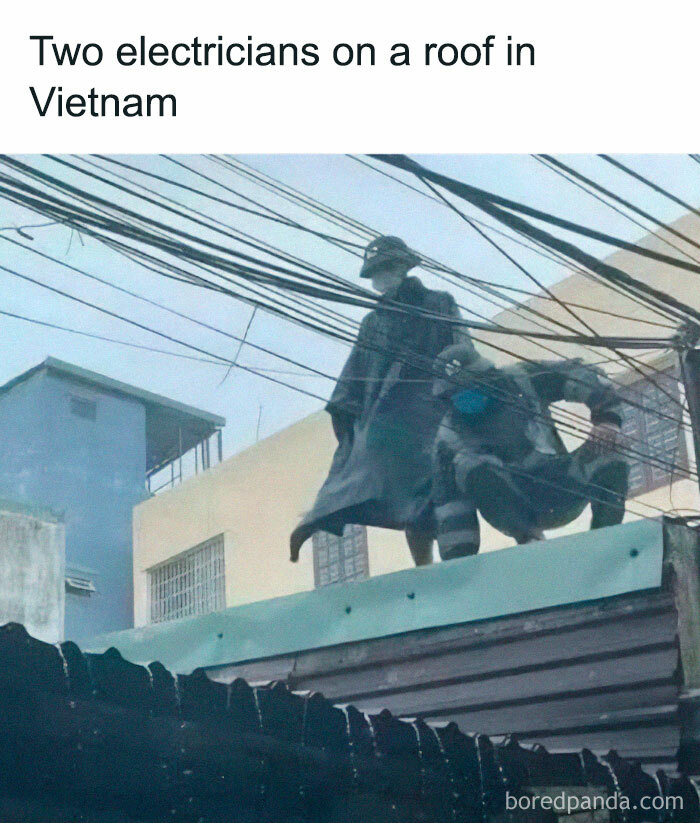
[385, 416]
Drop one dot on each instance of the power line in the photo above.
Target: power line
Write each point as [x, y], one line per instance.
[487, 344]
[45, 323]
[667, 194]
[434, 267]
[165, 308]
[491, 204]
[562, 167]
[438, 268]
[196, 348]
[141, 325]
[572, 429]
[464, 217]
[331, 313]
[364, 299]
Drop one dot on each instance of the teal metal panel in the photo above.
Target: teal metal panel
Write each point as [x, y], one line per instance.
[567, 570]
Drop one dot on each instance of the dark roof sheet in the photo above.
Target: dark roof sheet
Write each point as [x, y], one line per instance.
[84, 732]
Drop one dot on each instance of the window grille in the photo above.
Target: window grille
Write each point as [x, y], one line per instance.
[658, 438]
[340, 559]
[192, 583]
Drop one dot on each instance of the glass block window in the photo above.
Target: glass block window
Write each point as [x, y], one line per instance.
[191, 583]
[340, 559]
[652, 434]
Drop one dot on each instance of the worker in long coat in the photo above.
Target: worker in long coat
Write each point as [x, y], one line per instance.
[382, 409]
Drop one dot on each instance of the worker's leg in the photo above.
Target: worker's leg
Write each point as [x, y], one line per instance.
[457, 529]
[608, 489]
[421, 545]
[497, 493]
[456, 523]
[603, 479]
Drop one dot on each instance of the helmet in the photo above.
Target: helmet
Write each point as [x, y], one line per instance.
[385, 250]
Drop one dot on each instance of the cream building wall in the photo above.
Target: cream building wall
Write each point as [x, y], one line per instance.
[256, 497]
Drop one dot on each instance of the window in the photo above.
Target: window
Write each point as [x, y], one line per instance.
[652, 434]
[81, 407]
[191, 583]
[340, 559]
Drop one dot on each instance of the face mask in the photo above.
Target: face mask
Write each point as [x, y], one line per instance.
[384, 281]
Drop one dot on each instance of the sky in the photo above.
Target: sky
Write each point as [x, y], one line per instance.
[255, 407]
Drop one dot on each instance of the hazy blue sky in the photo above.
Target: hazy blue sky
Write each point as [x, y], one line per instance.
[338, 181]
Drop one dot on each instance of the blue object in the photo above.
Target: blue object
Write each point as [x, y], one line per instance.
[472, 401]
[574, 569]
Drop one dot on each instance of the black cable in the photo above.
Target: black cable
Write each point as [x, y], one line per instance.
[630, 361]
[433, 266]
[226, 360]
[54, 207]
[162, 306]
[477, 195]
[45, 323]
[565, 168]
[182, 214]
[270, 216]
[323, 309]
[490, 206]
[551, 294]
[164, 335]
[437, 268]
[654, 186]
[572, 429]
[179, 249]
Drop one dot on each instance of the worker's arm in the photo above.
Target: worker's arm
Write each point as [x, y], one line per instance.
[346, 402]
[576, 382]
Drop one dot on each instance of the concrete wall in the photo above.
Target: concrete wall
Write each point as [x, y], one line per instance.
[255, 498]
[93, 471]
[32, 570]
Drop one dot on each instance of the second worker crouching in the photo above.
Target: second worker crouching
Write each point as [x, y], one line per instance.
[498, 451]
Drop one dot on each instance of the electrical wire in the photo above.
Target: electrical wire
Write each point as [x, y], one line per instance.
[649, 183]
[572, 429]
[461, 214]
[563, 170]
[128, 321]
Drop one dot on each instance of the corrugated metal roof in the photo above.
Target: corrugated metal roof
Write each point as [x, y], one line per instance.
[603, 675]
[95, 737]
[574, 569]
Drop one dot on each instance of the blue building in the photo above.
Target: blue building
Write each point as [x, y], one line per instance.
[81, 443]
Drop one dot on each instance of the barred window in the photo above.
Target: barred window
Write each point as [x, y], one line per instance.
[655, 432]
[191, 583]
[340, 559]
